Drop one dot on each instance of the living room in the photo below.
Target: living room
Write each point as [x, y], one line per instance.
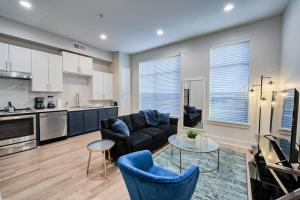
[110, 100]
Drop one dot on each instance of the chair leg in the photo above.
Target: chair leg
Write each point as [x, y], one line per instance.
[89, 160]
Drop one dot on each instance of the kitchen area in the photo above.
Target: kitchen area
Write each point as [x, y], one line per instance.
[49, 94]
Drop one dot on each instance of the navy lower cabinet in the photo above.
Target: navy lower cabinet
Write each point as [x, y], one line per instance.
[103, 115]
[112, 113]
[107, 113]
[75, 123]
[85, 121]
[91, 120]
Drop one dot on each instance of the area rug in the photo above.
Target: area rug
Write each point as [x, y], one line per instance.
[230, 183]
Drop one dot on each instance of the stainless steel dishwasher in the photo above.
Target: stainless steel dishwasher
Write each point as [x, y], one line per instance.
[53, 125]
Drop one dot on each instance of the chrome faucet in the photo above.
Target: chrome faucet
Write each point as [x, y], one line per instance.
[77, 105]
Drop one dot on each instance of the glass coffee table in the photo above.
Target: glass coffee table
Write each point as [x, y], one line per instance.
[200, 145]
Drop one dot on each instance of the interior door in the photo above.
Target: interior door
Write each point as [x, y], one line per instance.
[19, 59]
[70, 62]
[55, 73]
[40, 80]
[85, 65]
[108, 86]
[3, 56]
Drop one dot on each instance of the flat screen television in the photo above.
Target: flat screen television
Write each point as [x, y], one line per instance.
[283, 126]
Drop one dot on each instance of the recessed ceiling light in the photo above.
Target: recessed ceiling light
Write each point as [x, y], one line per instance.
[103, 36]
[25, 4]
[228, 7]
[159, 32]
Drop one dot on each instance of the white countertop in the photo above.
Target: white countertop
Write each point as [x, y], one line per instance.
[56, 110]
[89, 108]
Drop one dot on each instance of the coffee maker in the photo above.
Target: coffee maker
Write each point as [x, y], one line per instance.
[39, 103]
[51, 103]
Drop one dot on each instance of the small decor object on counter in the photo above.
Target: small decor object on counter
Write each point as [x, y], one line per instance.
[51, 103]
[9, 108]
[191, 133]
[39, 103]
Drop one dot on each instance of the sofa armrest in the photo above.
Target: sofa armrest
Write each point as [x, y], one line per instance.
[109, 134]
[121, 142]
[174, 121]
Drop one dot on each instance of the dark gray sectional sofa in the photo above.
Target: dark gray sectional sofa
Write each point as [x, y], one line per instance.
[142, 136]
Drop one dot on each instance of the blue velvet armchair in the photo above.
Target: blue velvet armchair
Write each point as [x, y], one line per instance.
[145, 181]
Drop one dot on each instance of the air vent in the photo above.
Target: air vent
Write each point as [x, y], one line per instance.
[78, 46]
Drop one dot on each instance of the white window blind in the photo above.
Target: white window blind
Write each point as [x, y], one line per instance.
[229, 83]
[287, 111]
[159, 85]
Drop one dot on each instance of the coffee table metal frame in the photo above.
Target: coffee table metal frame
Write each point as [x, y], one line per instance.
[180, 166]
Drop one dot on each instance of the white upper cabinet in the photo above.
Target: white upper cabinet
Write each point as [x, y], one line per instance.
[108, 86]
[14, 58]
[70, 62]
[3, 56]
[96, 85]
[40, 81]
[76, 64]
[85, 65]
[47, 75]
[55, 73]
[101, 86]
[19, 59]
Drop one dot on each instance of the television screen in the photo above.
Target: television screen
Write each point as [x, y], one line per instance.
[284, 114]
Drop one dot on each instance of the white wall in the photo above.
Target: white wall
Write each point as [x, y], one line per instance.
[265, 37]
[22, 31]
[122, 82]
[290, 60]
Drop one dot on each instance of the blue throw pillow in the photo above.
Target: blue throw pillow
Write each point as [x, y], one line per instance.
[120, 127]
[151, 117]
[163, 118]
[193, 109]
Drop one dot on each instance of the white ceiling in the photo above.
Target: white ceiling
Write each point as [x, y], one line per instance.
[131, 25]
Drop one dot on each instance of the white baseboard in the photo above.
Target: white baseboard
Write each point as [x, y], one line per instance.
[231, 141]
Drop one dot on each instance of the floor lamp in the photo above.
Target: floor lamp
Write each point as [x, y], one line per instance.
[262, 98]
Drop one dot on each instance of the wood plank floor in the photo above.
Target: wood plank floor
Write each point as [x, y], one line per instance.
[58, 171]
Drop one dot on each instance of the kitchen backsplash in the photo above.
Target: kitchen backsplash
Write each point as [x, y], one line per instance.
[20, 94]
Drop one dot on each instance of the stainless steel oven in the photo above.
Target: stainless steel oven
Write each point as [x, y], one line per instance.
[17, 133]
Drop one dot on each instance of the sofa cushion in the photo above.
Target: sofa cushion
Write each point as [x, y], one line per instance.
[126, 119]
[140, 141]
[170, 128]
[157, 134]
[120, 127]
[138, 121]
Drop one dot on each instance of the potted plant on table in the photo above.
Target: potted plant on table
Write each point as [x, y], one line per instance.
[191, 134]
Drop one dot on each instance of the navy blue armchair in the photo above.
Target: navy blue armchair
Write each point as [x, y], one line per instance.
[145, 181]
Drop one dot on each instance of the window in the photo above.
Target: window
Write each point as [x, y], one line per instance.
[159, 85]
[229, 83]
[287, 111]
